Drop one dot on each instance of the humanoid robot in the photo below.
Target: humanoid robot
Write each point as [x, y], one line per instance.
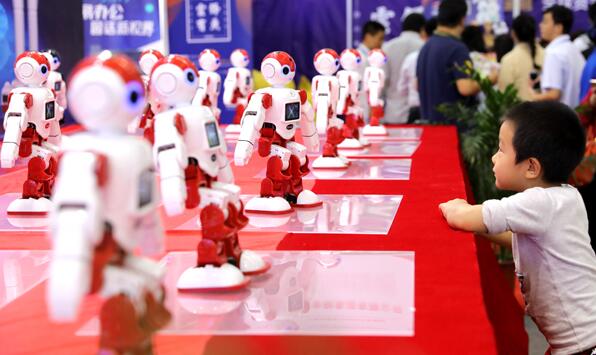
[105, 208]
[238, 86]
[55, 81]
[32, 130]
[269, 124]
[209, 81]
[147, 60]
[374, 81]
[325, 93]
[194, 171]
[348, 109]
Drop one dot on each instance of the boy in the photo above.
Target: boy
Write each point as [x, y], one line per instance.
[540, 143]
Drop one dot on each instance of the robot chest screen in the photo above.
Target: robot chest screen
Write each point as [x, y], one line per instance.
[292, 111]
[50, 110]
[145, 188]
[212, 135]
[247, 81]
[57, 86]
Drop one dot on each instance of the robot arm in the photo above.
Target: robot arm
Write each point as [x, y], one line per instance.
[251, 124]
[16, 121]
[307, 125]
[375, 82]
[171, 158]
[76, 227]
[344, 95]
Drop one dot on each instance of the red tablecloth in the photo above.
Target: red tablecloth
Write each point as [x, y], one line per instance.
[463, 304]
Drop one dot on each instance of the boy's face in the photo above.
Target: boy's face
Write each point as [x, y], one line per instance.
[509, 175]
[374, 41]
[548, 29]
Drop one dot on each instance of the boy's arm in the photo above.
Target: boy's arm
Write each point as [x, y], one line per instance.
[503, 239]
[461, 215]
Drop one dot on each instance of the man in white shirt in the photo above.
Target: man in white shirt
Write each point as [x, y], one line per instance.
[373, 35]
[563, 62]
[397, 49]
[407, 84]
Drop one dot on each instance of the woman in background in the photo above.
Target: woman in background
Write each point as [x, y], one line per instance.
[525, 58]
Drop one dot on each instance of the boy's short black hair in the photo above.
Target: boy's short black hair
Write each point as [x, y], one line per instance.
[550, 132]
[451, 12]
[372, 28]
[473, 38]
[413, 22]
[562, 16]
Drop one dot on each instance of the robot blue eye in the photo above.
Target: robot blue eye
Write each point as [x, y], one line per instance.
[43, 69]
[285, 70]
[337, 62]
[217, 61]
[357, 60]
[134, 95]
[190, 76]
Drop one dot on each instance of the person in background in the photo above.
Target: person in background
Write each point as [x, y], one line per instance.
[526, 57]
[563, 62]
[373, 36]
[589, 71]
[503, 45]
[439, 79]
[410, 40]
[473, 38]
[407, 86]
[585, 42]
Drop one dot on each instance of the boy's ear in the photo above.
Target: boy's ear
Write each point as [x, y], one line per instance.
[534, 168]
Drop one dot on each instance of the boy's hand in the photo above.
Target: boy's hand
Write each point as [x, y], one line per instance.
[461, 215]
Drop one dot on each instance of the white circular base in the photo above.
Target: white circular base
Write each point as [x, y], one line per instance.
[308, 199]
[330, 163]
[210, 277]
[350, 143]
[29, 206]
[252, 263]
[269, 220]
[233, 129]
[268, 205]
[369, 130]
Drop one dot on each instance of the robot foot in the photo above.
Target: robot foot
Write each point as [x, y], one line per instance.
[208, 278]
[29, 207]
[308, 199]
[268, 205]
[233, 129]
[369, 130]
[350, 143]
[253, 264]
[330, 163]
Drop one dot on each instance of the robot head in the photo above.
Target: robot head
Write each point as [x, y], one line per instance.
[239, 58]
[173, 80]
[54, 58]
[32, 68]
[278, 68]
[106, 92]
[326, 61]
[147, 60]
[209, 60]
[350, 59]
[377, 58]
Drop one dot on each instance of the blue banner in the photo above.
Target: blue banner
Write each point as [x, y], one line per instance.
[121, 25]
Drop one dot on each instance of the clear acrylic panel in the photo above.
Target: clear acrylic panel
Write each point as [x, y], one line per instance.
[340, 214]
[304, 293]
[21, 271]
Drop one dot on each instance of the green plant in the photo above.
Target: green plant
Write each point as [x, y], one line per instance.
[479, 132]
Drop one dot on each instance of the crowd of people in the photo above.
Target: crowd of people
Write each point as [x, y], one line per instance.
[546, 145]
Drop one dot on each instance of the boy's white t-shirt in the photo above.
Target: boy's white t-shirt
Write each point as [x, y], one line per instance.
[554, 262]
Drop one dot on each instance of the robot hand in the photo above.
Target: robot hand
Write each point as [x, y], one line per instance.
[173, 192]
[312, 143]
[8, 155]
[242, 153]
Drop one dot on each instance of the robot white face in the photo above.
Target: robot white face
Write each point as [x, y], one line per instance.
[106, 93]
[377, 58]
[326, 61]
[239, 58]
[173, 80]
[147, 60]
[32, 68]
[53, 58]
[278, 68]
[209, 60]
[350, 59]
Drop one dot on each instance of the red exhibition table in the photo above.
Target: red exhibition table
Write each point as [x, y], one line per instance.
[463, 304]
